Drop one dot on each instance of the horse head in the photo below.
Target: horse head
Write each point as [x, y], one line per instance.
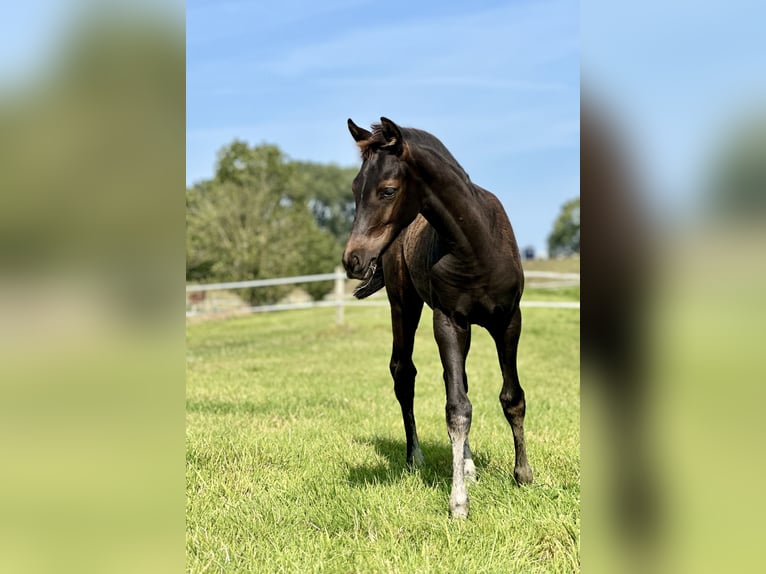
[385, 194]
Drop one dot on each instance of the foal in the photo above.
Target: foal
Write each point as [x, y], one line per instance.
[429, 234]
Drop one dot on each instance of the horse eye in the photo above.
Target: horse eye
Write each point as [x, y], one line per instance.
[389, 192]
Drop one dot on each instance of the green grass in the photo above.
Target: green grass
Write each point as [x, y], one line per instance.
[295, 450]
[563, 265]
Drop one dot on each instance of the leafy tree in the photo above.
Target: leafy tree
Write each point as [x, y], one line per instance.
[564, 239]
[256, 219]
[737, 186]
[327, 189]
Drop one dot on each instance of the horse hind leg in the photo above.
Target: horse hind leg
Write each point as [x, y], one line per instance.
[512, 395]
[468, 464]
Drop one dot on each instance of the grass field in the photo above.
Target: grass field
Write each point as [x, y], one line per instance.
[295, 450]
[563, 265]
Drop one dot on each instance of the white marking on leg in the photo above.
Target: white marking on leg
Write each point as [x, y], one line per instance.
[469, 468]
[458, 500]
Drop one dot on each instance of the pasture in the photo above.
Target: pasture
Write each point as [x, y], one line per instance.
[295, 456]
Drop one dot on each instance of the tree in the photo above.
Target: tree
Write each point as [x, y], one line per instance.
[564, 239]
[254, 220]
[329, 196]
[737, 183]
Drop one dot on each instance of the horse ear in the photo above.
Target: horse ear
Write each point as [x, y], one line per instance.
[393, 136]
[359, 134]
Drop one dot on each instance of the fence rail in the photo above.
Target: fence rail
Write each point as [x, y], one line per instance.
[340, 300]
[264, 282]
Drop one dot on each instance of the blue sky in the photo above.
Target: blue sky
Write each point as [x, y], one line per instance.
[679, 77]
[496, 81]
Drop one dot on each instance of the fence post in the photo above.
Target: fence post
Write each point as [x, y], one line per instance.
[340, 292]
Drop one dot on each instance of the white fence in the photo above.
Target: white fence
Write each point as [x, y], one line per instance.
[340, 300]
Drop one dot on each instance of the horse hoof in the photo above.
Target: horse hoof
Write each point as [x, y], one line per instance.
[459, 512]
[470, 470]
[416, 460]
[523, 475]
[458, 509]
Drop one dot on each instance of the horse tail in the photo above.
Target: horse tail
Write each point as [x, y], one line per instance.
[375, 284]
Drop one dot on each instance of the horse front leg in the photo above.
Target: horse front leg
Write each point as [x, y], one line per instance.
[405, 316]
[451, 339]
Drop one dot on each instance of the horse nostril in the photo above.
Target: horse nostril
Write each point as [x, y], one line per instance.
[351, 262]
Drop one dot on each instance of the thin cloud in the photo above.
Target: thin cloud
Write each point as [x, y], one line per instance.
[481, 42]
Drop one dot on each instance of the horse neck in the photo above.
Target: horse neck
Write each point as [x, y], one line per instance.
[453, 205]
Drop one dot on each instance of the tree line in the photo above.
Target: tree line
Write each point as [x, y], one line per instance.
[264, 215]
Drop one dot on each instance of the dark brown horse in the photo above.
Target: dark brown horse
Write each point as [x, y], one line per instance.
[427, 233]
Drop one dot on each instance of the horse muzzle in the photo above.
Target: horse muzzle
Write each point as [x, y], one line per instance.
[359, 265]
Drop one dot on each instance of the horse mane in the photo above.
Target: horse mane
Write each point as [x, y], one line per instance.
[414, 138]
